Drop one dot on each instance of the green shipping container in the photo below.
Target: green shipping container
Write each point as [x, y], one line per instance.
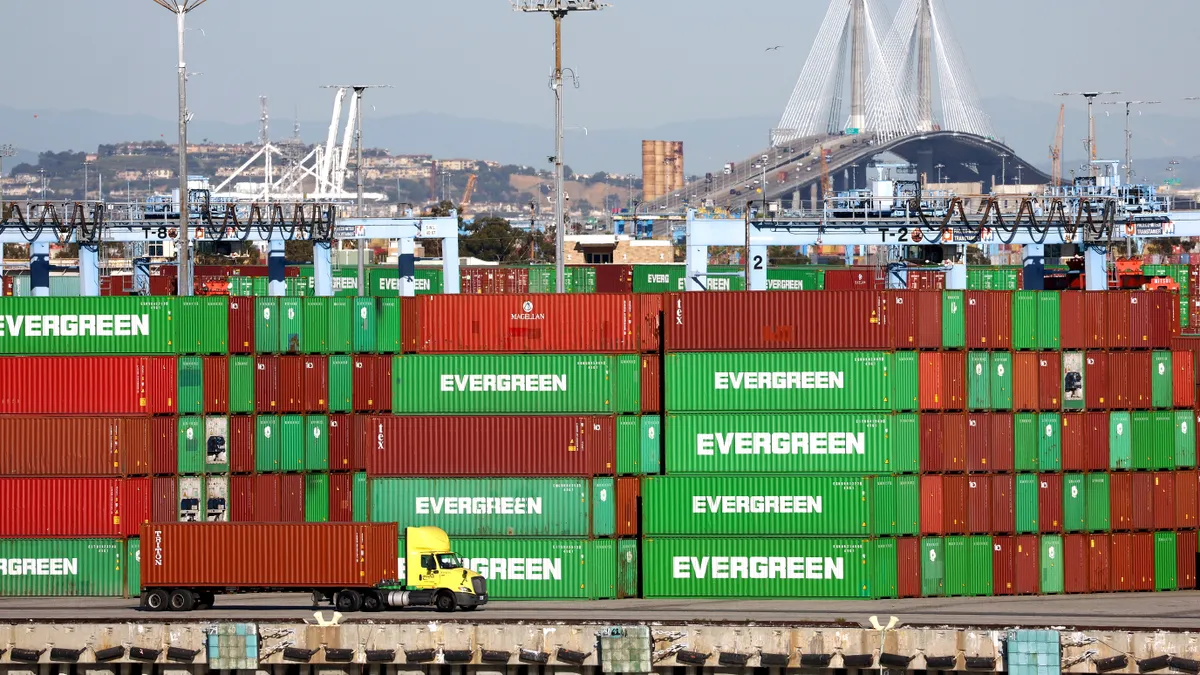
[1025, 320]
[795, 278]
[993, 279]
[954, 326]
[540, 569]
[757, 567]
[388, 335]
[1049, 442]
[1097, 512]
[1052, 564]
[62, 567]
[315, 335]
[1165, 559]
[979, 583]
[316, 498]
[979, 380]
[639, 444]
[604, 507]
[933, 567]
[540, 507]
[1075, 502]
[839, 443]
[1163, 422]
[784, 381]
[266, 325]
[1027, 503]
[958, 567]
[292, 442]
[291, 325]
[629, 567]
[1120, 446]
[1048, 319]
[133, 567]
[1002, 381]
[203, 325]
[359, 504]
[1026, 441]
[385, 281]
[1185, 439]
[896, 505]
[884, 579]
[365, 317]
[241, 384]
[191, 384]
[1161, 377]
[658, 278]
[89, 325]
[756, 505]
[267, 455]
[533, 383]
[1153, 439]
[341, 384]
[191, 445]
[316, 443]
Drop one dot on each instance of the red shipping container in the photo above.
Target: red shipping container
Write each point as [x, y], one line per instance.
[241, 325]
[164, 446]
[1095, 380]
[988, 316]
[1095, 313]
[216, 384]
[1185, 559]
[1120, 389]
[1074, 450]
[930, 381]
[522, 323]
[954, 504]
[341, 498]
[163, 495]
[1140, 378]
[1187, 500]
[1183, 380]
[1025, 381]
[88, 385]
[954, 377]
[1120, 501]
[954, 442]
[1164, 500]
[1003, 566]
[1161, 317]
[853, 279]
[267, 492]
[494, 280]
[979, 504]
[372, 383]
[1121, 561]
[242, 433]
[1050, 503]
[1049, 380]
[291, 384]
[907, 332]
[492, 446]
[1099, 565]
[72, 507]
[1095, 441]
[908, 567]
[341, 442]
[241, 499]
[1073, 326]
[75, 446]
[1027, 566]
[933, 519]
[1075, 563]
[1143, 501]
[614, 278]
[1143, 561]
[1116, 316]
[979, 442]
[291, 498]
[1004, 515]
[651, 384]
[932, 453]
[777, 321]
[266, 385]
[316, 384]
[629, 496]
[1002, 447]
[649, 321]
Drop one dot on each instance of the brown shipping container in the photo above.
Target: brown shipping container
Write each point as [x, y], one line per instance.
[629, 494]
[1143, 561]
[75, 446]
[1164, 500]
[1004, 515]
[954, 378]
[1074, 450]
[241, 325]
[1025, 381]
[1002, 442]
[164, 446]
[1096, 431]
[341, 442]
[988, 316]
[954, 504]
[73, 507]
[1074, 562]
[88, 385]
[267, 493]
[356, 555]
[1185, 559]
[1049, 380]
[291, 498]
[979, 506]
[1121, 561]
[1120, 390]
[241, 499]
[242, 433]
[1116, 319]
[1095, 313]
[291, 384]
[1027, 565]
[954, 442]
[1120, 502]
[372, 383]
[1095, 378]
[651, 383]
[266, 385]
[492, 446]
[316, 384]
[979, 443]
[164, 495]
[216, 384]
[1183, 379]
[1099, 564]
[908, 567]
[614, 278]
[494, 280]
[649, 321]
[341, 498]
[903, 309]
[1050, 503]
[777, 320]
[930, 381]
[1140, 378]
[520, 323]
[1003, 559]
[1143, 501]
[1073, 326]
[933, 519]
[1187, 500]
[853, 279]
[932, 452]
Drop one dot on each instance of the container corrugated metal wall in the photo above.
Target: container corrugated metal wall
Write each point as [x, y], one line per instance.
[98, 507]
[75, 446]
[62, 567]
[88, 385]
[89, 326]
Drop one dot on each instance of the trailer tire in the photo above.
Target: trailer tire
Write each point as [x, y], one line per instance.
[156, 600]
[181, 600]
[445, 601]
[372, 601]
[347, 600]
[205, 600]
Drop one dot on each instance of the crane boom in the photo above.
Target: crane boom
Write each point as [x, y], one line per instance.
[470, 189]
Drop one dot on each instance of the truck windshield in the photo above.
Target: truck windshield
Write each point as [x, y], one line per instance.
[448, 561]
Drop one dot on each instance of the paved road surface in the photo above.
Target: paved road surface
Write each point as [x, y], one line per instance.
[1179, 610]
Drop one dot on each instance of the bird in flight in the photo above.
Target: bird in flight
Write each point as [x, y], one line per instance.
[776, 47]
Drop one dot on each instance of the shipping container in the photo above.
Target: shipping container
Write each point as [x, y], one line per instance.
[1165, 554]
[1074, 427]
[884, 580]
[191, 384]
[954, 327]
[955, 506]
[979, 443]
[988, 319]
[75, 446]
[291, 384]
[89, 385]
[1049, 442]
[203, 326]
[1097, 506]
[1025, 381]
[215, 378]
[639, 444]
[1143, 561]
[1026, 441]
[1002, 442]
[1143, 501]
[1048, 310]
[1183, 382]
[1027, 566]
[933, 567]
[1121, 561]
[1120, 486]
[241, 326]
[1186, 500]
[901, 317]
[372, 383]
[314, 386]
[933, 500]
[1095, 374]
[1003, 496]
[1074, 563]
[98, 507]
[1164, 500]
[1050, 380]
[1120, 446]
[896, 505]
[629, 506]
[1003, 566]
[979, 504]
[1096, 438]
[91, 325]
[1099, 563]
[341, 384]
[1050, 503]
[1027, 508]
[242, 374]
[1075, 502]
[1117, 320]
[1051, 581]
[62, 567]
[651, 384]
[1185, 559]
[492, 446]
[908, 567]
[541, 569]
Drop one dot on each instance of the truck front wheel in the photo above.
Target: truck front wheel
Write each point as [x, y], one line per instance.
[347, 601]
[445, 602]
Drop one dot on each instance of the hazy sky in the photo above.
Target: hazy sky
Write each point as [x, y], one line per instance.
[642, 62]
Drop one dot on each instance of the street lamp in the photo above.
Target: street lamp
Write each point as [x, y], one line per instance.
[1129, 135]
[939, 168]
[1091, 139]
[1003, 169]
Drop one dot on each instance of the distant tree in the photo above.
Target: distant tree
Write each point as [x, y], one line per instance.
[298, 251]
[787, 255]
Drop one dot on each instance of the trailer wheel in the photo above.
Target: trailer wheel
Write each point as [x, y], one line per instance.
[205, 600]
[445, 602]
[347, 601]
[372, 601]
[156, 600]
[182, 600]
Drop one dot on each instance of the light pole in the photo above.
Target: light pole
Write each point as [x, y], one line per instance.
[6, 150]
[939, 168]
[1091, 139]
[85, 179]
[180, 9]
[43, 173]
[558, 9]
[1003, 169]
[1129, 135]
[1019, 167]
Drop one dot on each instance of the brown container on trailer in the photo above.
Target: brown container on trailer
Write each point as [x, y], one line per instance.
[932, 448]
[1004, 515]
[955, 507]
[1185, 559]
[1143, 501]
[1074, 449]
[928, 319]
[1050, 503]
[1120, 502]
[614, 278]
[75, 446]
[291, 384]
[1116, 319]
[649, 317]
[629, 495]
[1002, 442]
[492, 446]
[1095, 434]
[1121, 561]
[651, 383]
[1140, 378]
[266, 385]
[351, 555]
[979, 504]
[1187, 499]
[1120, 389]
[1003, 562]
[1027, 565]
[979, 443]
[372, 383]
[341, 498]
[1049, 380]
[241, 499]
[1099, 564]
[242, 433]
[164, 507]
[1074, 562]
[291, 498]
[954, 442]
[933, 519]
[777, 320]
[1073, 326]
[164, 446]
[241, 325]
[908, 567]
[216, 384]
[1183, 379]
[1164, 500]
[1025, 381]
[1143, 561]
[267, 492]
[1095, 377]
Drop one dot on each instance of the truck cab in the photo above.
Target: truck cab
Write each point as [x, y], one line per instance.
[431, 567]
